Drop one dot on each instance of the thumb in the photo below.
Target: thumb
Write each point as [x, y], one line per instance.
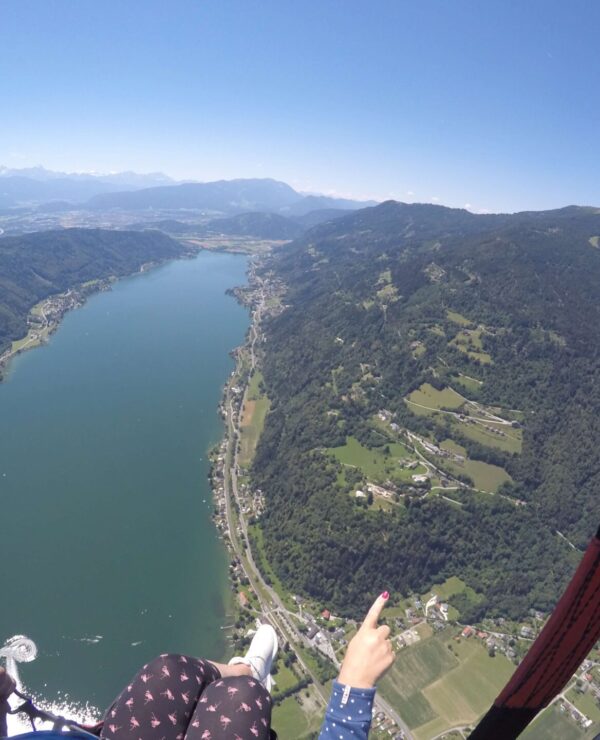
[375, 611]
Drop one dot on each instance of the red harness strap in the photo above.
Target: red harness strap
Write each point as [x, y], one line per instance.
[567, 638]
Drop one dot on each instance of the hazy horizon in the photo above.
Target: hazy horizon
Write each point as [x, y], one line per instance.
[485, 108]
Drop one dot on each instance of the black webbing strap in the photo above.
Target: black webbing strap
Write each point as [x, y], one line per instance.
[58, 723]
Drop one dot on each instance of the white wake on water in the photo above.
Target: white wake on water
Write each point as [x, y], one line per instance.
[20, 649]
[82, 714]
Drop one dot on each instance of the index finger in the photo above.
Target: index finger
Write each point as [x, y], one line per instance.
[375, 611]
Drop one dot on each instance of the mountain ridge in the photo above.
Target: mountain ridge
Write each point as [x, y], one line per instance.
[231, 196]
[404, 299]
[40, 264]
[125, 177]
[40, 188]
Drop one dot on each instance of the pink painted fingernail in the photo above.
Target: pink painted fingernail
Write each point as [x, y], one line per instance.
[385, 595]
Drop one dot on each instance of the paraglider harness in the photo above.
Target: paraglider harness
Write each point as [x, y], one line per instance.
[75, 730]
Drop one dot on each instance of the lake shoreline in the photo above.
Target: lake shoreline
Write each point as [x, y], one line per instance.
[46, 317]
[119, 427]
[54, 308]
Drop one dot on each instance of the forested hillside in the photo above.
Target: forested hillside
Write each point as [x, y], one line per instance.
[261, 225]
[469, 342]
[35, 266]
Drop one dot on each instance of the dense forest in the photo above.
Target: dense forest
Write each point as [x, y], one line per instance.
[261, 225]
[362, 292]
[35, 266]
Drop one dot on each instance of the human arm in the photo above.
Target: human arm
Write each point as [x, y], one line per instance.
[368, 657]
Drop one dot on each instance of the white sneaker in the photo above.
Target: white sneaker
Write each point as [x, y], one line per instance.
[261, 654]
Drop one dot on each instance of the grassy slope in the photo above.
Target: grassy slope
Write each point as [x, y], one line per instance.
[486, 477]
[373, 463]
[429, 396]
[253, 421]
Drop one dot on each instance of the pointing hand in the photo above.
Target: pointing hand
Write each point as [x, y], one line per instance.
[369, 654]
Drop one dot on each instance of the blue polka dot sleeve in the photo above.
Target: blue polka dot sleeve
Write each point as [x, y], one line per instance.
[348, 715]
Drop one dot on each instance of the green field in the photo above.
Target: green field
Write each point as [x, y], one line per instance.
[435, 688]
[42, 333]
[452, 446]
[255, 411]
[430, 729]
[437, 330]
[552, 724]
[387, 293]
[418, 349]
[26, 341]
[273, 302]
[510, 440]
[292, 722]
[415, 668]
[465, 693]
[254, 393]
[429, 396]
[375, 464]
[469, 341]
[256, 535]
[383, 504]
[586, 704]
[471, 384]
[450, 587]
[485, 477]
[284, 679]
[457, 318]
[483, 357]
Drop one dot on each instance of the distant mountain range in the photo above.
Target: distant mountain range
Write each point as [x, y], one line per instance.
[259, 225]
[33, 186]
[39, 188]
[224, 196]
[126, 179]
[17, 191]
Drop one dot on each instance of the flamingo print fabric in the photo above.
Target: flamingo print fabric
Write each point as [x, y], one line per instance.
[176, 697]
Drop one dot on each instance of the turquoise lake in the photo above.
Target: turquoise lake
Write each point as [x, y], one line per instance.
[108, 555]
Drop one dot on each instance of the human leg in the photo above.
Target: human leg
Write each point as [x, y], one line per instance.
[233, 708]
[161, 699]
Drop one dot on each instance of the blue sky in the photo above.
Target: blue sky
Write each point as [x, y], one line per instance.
[493, 103]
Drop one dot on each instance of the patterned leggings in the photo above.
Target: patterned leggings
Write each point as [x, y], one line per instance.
[179, 698]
